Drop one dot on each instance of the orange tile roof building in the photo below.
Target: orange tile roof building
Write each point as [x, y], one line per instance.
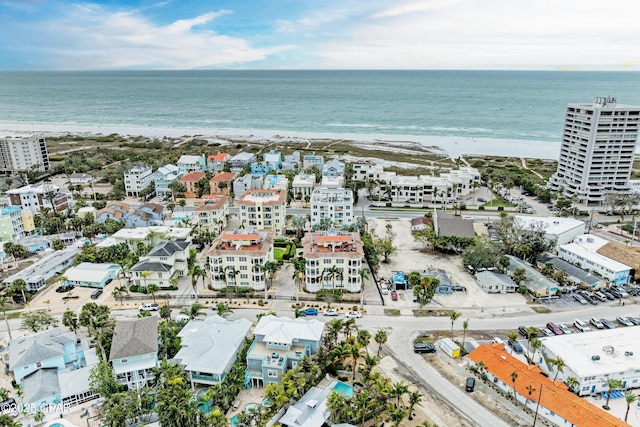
[216, 162]
[235, 257]
[333, 259]
[189, 181]
[264, 210]
[212, 215]
[222, 183]
[557, 404]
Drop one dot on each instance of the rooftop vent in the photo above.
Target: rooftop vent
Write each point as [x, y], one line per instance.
[595, 357]
[628, 353]
[608, 349]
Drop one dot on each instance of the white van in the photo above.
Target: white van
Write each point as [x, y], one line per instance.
[384, 289]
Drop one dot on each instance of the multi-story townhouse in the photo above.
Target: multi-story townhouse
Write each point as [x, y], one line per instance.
[264, 210]
[217, 162]
[35, 197]
[137, 179]
[188, 164]
[311, 161]
[237, 259]
[134, 351]
[240, 161]
[221, 183]
[303, 185]
[335, 204]
[333, 260]
[191, 182]
[212, 215]
[163, 177]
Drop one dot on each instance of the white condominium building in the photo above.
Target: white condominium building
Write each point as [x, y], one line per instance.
[236, 256]
[21, 153]
[333, 260]
[264, 210]
[35, 197]
[212, 215]
[442, 189]
[335, 204]
[598, 145]
[137, 179]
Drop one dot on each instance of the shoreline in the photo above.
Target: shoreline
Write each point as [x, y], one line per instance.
[452, 146]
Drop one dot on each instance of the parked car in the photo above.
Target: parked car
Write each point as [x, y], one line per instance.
[353, 315]
[459, 288]
[564, 328]
[482, 199]
[149, 307]
[309, 311]
[547, 332]
[423, 347]
[384, 289]
[615, 292]
[608, 323]
[621, 291]
[596, 322]
[470, 384]
[515, 345]
[555, 328]
[64, 288]
[583, 327]
[624, 321]
[580, 299]
[95, 294]
[330, 312]
[394, 296]
[608, 295]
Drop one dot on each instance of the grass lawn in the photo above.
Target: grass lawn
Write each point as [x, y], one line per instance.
[278, 252]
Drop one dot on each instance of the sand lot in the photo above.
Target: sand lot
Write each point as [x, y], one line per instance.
[410, 255]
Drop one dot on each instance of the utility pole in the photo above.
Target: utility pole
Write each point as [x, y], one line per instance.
[633, 235]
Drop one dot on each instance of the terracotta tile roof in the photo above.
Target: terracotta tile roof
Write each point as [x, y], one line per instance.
[232, 236]
[350, 245]
[330, 238]
[267, 197]
[114, 213]
[220, 157]
[223, 177]
[555, 396]
[192, 177]
[220, 246]
[212, 202]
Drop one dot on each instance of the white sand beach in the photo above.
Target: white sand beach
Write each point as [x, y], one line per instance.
[452, 146]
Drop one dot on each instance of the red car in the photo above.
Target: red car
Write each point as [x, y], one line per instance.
[394, 296]
[554, 328]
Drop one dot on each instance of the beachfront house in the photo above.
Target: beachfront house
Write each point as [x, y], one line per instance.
[163, 177]
[333, 168]
[303, 185]
[210, 347]
[134, 351]
[311, 410]
[279, 345]
[240, 161]
[312, 161]
[291, 161]
[217, 162]
[188, 164]
[191, 183]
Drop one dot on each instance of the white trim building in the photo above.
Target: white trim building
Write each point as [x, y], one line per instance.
[336, 204]
[598, 146]
[19, 153]
[583, 252]
[563, 230]
[264, 210]
[137, 179]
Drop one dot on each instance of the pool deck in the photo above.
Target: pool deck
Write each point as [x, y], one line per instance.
[250, 395]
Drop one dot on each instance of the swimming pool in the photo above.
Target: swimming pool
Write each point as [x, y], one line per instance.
[344, 389]
[234, 420]
[56, 425]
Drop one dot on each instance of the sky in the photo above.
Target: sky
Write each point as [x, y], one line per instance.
[318, 34]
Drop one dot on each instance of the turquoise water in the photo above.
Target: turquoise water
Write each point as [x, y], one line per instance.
[522, 105]
[234, 420]
[56, 425]
[344, 389]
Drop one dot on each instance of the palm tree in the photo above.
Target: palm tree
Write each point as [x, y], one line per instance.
[3, 305]
[349, 326]
[70, 320]
[530, 390]
[397, 415]
[21, 286]
[465, 326]
[415, 397]
[332, 332]
[223, 309]
[119, 292]
[232, 273]
[380, 338]
[536, 345]
[572, 383]
[513, 337]
[48, 303]
[630, 397]
[514, 377]
[144, 275]
[559, 364]
[355, 352]
[194, 311]
[364, 275]
[454, 315]
[151, 290]
[398, 390]
[165, 312]
[612, 384]
[363, 338]
[531, 331]
[196, 272]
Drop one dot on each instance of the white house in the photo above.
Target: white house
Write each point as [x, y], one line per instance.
[303, 185]
[165, 176]
[137, 179]
[563, 230]
[495, 283]
[210, 347]
[92, 275]
[583, 252]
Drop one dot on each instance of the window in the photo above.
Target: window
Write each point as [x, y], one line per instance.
[242, 259]
[272, 373]
[230, 259]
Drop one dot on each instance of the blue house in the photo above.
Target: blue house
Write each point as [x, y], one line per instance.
[279, 345]
[52, 368]
[134, 351]
[146, 215]
[261, 169]
[113, 210]
[188, 164]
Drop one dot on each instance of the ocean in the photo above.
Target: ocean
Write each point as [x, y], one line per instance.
[490, 105]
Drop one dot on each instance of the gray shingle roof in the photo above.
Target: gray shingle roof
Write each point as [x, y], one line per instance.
[151, 266]
[168, 248]
[40, 385]
[455, 226]
[134, 337]
[38, 347]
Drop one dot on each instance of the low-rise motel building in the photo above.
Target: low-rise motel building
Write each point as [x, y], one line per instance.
[550, 399]
[237, 259]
